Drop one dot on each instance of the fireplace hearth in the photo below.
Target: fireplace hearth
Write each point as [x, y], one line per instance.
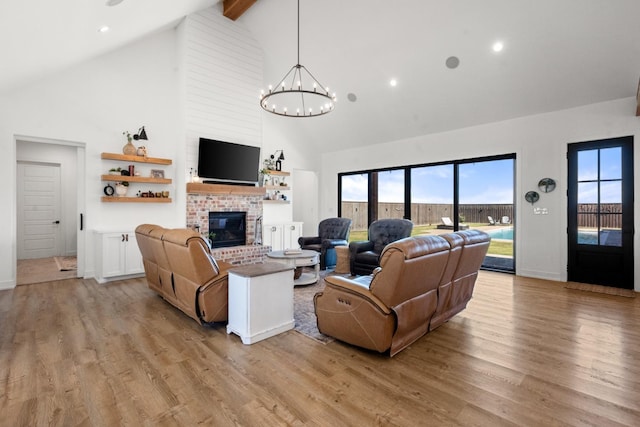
[227, 229]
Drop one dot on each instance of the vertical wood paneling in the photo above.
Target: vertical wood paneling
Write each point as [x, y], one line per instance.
[222, 77]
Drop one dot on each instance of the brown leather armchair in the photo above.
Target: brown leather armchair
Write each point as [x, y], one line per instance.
[364, 256]
[332, 232]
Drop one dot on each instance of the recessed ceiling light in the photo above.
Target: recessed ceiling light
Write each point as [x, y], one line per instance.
[393, 82]
[113, 2]
[498, 46]
[452, 62]
[103, 29]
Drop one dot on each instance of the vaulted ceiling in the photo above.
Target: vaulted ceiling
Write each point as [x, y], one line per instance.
[556, 55]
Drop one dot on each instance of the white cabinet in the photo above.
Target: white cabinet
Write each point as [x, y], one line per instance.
[282, 236]
[260, 301]
[117, 255]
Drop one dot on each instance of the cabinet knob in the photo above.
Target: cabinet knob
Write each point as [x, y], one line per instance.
[273, 229]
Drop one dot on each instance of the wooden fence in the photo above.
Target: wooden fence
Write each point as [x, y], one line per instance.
[430, 213]
[610, 215]
[425, 213]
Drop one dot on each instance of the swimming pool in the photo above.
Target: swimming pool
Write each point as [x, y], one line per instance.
[502, 233]
[584, 237]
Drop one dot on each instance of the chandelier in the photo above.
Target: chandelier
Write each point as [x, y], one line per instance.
[299, 93]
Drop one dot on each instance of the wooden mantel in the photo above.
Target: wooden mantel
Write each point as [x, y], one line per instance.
[198, 188]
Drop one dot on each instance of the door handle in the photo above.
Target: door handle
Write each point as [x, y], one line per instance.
[56, 222]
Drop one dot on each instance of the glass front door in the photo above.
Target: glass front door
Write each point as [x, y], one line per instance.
[601, 212]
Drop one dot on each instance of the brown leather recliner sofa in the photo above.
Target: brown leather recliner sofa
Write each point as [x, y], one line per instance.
[179, 266]
[421, 283]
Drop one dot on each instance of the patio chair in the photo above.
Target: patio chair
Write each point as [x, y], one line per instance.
[505, 220]
[447, 224]
[491, 220]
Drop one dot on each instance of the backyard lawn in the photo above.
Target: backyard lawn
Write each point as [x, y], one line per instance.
[497, 247]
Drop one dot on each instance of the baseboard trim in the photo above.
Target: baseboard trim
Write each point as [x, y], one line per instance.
[8, 284]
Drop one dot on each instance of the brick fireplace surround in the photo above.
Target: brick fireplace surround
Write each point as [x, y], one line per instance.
[202, 198]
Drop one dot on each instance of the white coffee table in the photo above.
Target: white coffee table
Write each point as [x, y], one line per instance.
[300, 259]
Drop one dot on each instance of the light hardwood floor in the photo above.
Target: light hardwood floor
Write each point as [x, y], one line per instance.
[524, 352]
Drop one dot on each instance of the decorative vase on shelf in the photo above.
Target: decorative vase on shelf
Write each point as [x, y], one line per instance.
[129, 149]
[121, 190]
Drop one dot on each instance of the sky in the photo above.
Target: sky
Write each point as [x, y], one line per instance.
[480, 183]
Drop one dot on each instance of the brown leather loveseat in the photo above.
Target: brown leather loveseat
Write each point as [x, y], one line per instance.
[421, 283]
[179, 266]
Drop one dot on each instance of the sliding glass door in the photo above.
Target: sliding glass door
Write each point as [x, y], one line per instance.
[438, 198]
[485, 200]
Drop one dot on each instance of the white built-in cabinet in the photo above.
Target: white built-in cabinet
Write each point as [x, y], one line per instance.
[117, 256]
[282, 236]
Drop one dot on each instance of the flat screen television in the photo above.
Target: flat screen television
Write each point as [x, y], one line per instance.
[220, 161]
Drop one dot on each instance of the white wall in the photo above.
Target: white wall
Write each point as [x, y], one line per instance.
[92, 103]
[221, 77]
[540, 143]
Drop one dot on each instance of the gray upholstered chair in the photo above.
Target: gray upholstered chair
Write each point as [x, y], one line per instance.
[364, 256]
[332, 232]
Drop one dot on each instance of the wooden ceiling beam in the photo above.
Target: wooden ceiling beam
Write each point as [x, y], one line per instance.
[233, 9]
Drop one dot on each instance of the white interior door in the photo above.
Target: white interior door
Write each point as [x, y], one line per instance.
[38, 206]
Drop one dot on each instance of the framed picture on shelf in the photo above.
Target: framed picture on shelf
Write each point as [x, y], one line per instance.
[275, 180]
[157, 173]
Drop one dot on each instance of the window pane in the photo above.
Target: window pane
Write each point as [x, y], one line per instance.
[611, 163]
[587, 229]
[611, 230]
[431, 194]
[587, 193]
[587, 165]
[354, 203]
[611, 192]
[485, 193]
[391, 194]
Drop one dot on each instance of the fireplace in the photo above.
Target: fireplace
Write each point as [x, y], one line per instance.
[227, 229]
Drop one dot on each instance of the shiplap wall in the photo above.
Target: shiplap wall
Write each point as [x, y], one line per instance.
[222, 75]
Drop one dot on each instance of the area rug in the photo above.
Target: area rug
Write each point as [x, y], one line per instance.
[629, 293]
[303, 312]
[66, 263]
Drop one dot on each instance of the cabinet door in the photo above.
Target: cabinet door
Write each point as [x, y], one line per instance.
[292, 232]
[113, 254]
[132, 257]
[272, 235]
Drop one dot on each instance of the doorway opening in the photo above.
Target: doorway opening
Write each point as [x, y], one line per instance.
[49, 201]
